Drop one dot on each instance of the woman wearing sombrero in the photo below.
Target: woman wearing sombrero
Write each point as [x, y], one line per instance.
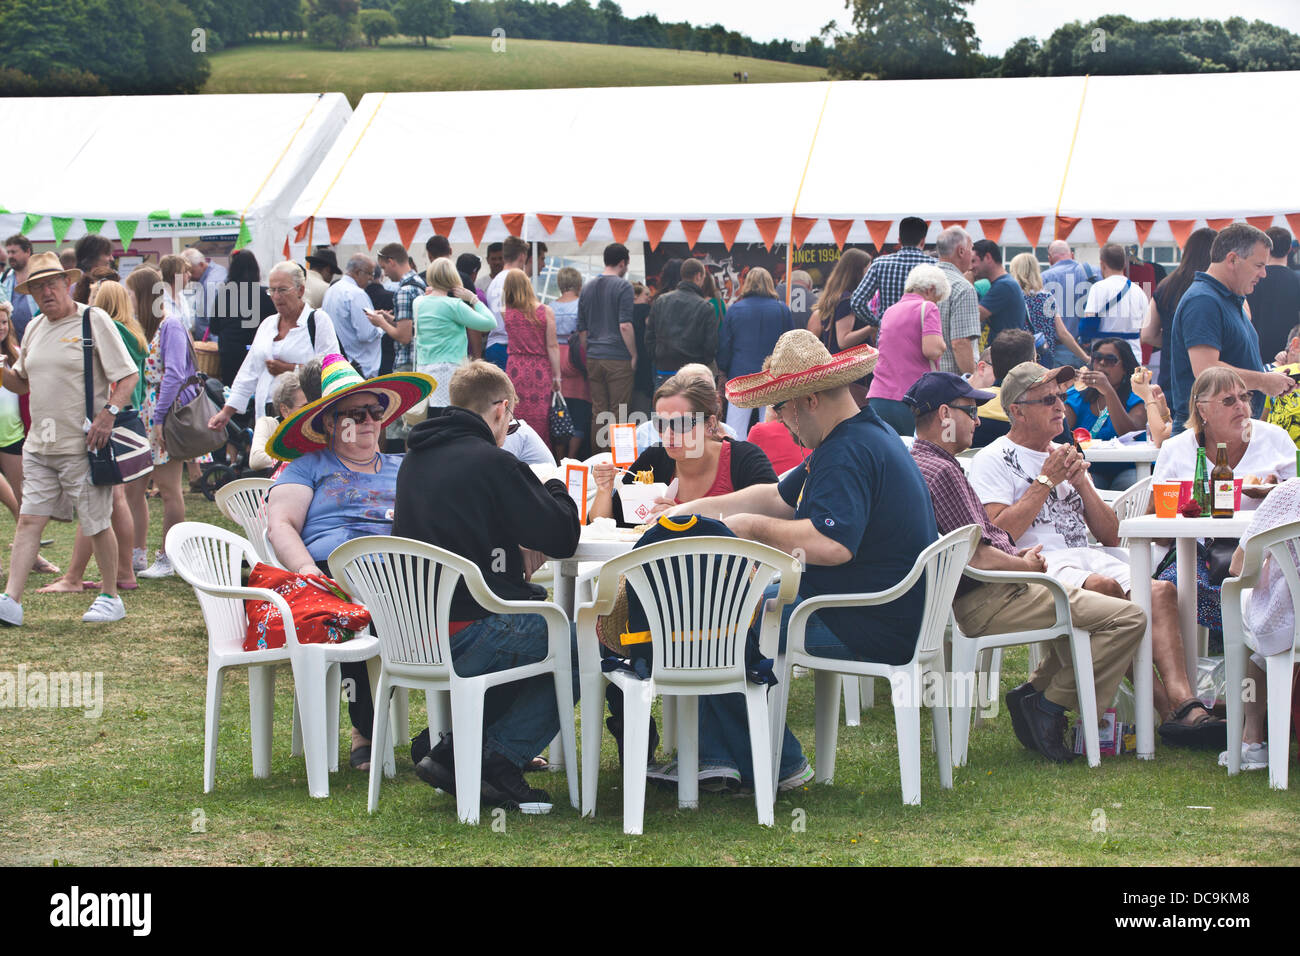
[338, 486]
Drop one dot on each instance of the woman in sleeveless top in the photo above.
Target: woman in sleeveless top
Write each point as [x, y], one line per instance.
[534, 354]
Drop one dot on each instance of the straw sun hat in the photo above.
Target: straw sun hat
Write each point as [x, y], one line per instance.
[304, 430]
[800, 365]
[42, 266]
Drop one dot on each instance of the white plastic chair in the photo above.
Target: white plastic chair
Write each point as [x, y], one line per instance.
[1283, 544]
[965, 651]
[244, 503]
[941, 564]
[1133, 502]
[407, 586]
[209, 559]
[698, 636]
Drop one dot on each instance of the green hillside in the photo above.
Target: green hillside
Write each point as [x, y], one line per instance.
[469, 63]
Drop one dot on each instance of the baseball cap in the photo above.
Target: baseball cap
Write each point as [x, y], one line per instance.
[1028, 374]
[939, 388]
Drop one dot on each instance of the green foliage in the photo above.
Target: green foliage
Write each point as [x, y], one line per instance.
[424, 18]
[333, 23]
[280, 16]
[377, 24]
[906, 39]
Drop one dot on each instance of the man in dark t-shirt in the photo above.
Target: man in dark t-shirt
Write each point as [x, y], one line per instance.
[1003, 306]
[1275, 303]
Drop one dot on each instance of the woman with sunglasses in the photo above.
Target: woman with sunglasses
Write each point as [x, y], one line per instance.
[339, 486]
[1219, 411]
[695, 454]
[1102, 400]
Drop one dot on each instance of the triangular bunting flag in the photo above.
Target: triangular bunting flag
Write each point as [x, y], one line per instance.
[1143, 227]
[549, 222]
[1293, 220]
[654, 231]
[620, 229]
[160, 214]
[29, 222]
[1065, 225]
[299, 231]
[4, 211]
[1181, 228]
[840, 230]
[94, 225]
[60, 225]
[477, 226]
[992, 229]
[287, 255]
[192, 214]
[1217, 224]
[729, 228]
[1032, 226]
[443, 227]
[406, 230]
[800, 226]
[582, 226]
[1102, 228]
[219, 213]
[337, 227]
[369, 228]
[768, 227]
[514, 223]
[949, 223]
[1260, 222]
[692, 229]
[125, 231]
[879, 229]
[245, 236]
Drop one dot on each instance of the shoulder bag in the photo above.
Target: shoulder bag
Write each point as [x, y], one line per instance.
[126, 455]
[185, 430]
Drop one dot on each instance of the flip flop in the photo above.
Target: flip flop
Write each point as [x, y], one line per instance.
[1206, 733]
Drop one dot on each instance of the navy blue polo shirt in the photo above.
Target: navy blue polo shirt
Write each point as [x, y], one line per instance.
[1005, 301]
[862, 489]
[1209, 314]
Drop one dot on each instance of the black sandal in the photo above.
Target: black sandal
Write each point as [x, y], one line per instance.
[1207, 733]
[360, 758]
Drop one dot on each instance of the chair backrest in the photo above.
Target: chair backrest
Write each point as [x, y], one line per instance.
[1135, 501]
[700, 596]
[943, 563]
[205, 555]
[244, 502]
[1282, 544]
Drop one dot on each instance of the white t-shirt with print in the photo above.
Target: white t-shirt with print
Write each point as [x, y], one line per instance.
[1270, 451]
[1002, 472]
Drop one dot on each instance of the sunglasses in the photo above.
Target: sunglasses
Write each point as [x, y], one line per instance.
[513, 426]
[971, 410]
[678, 424]
[1049, 401]
[1228, 400]
[1104, 358]
[358, 414]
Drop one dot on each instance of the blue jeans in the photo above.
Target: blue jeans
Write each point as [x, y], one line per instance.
[519, 719]
[498, 355]
[724, 727]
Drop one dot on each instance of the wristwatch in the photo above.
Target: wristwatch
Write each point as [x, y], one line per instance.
[1045, 482]
[112, 409]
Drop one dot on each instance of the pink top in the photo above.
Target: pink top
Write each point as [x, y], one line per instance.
[901, 360]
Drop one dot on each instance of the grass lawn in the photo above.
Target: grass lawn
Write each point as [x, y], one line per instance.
[127, 788]
[469, 63]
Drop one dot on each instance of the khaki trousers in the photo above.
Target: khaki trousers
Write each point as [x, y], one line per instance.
[611, 383]
[1116, 626]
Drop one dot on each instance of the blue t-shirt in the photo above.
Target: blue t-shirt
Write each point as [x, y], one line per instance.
[862, 489]
[345, 504]
[1210, 314]
[1084, 418]
[1006, 303]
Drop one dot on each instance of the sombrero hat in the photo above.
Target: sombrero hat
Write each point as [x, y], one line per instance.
[800, 365]
[304, 430]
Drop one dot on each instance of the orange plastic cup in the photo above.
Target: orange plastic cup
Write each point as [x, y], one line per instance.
[1166, 495]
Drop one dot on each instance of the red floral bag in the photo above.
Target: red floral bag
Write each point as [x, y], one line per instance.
[322, 611]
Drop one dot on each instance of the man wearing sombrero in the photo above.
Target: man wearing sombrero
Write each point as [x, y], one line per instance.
[856, 512]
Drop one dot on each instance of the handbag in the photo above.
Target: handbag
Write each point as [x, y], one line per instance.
[558, 418]
[322, 611]
[185, 430]
[126, 455]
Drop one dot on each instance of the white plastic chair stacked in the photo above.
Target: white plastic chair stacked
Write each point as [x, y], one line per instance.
[941, 564]
[1283, 545]
[209, 559]
[244, 503]
[407, 586]
[697, 640]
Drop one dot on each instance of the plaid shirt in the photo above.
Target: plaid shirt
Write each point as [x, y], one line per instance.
[955, 502]
[960, 314]
[404, 308]
[886, 275]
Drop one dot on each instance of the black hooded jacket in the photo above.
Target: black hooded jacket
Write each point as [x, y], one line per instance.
[457, 490]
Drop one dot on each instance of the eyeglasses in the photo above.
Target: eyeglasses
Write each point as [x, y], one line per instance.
[358, 414]
[971, 410]
[678, 424]
[1049, 401]
[280, 289]
[1104, 358]
[1228, 400]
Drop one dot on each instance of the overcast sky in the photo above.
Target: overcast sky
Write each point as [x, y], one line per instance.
[998, 23]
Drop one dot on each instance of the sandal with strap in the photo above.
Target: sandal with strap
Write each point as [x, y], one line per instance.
[1207, 732]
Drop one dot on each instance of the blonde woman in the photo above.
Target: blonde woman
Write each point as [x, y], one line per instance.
[1044, 320]
[748, 335]
[533, 361]
[442, 315]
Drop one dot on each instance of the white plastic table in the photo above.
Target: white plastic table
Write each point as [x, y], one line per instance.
[1139, 454]
[1141, 531]
[591, 548]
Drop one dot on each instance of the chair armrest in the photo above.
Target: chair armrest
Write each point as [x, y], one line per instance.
[1054, 587]
[256, 594]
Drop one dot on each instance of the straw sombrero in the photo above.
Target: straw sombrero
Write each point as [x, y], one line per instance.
[800, 365]
[304, 430]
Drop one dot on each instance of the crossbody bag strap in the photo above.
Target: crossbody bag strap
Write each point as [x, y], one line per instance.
[311, 330]
[87, 357]
[1114, 300]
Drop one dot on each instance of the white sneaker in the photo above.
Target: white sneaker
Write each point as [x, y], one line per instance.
[11, 612]
[105, 609]
[161, 568]
[139, 559]
[797, 779]
[1253, 757]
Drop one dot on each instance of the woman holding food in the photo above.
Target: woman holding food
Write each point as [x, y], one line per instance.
[695, 459]
[1102, 400]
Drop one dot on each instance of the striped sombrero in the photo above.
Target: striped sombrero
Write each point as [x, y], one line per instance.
[800, 365]
[304, 430]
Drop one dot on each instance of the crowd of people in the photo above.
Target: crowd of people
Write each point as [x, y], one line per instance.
[380, 394]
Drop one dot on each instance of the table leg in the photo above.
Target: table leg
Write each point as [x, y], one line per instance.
[1143, 469]
[1143, 689]
[566, 576]
[1187, 603]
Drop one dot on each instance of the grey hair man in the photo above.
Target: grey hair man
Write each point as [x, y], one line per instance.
[347, 304]
[208, 277]
[960, 312]
[1068, 281]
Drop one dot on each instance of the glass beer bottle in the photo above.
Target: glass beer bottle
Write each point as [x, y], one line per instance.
[1222, 504]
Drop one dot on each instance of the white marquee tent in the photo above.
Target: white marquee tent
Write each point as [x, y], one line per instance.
[149, 166]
